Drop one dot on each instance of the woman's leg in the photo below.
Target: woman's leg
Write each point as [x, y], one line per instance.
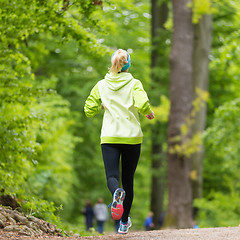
[111, 155]
[100, 226]
[130, 157]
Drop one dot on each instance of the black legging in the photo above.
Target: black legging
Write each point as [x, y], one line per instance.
[129, 156]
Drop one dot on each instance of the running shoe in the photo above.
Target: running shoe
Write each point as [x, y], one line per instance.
[117, 204]
[123, 228]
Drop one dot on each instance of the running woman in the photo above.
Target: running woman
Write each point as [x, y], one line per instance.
[122, 97]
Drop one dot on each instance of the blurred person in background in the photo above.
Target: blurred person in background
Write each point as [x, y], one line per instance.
[148, 224]
[101, 214]
[89, 214]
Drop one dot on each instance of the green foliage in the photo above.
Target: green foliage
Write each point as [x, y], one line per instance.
[221, 163]
[200, 8]
[18, 120]
[222, 141]
[41, 209]
[53, 169]
[35, 138]
[161, 112]
[224, 75]
[50, 153]
[219, 209]
[186, 144]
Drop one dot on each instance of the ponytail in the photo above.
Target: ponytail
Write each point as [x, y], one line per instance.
[120, 61]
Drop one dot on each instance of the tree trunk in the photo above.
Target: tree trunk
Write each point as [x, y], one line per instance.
[179, 212]
[159, 17]
[202, 47]
[158, 172]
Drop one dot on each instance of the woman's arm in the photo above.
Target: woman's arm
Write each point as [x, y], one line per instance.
[93, 103]
[141, 101]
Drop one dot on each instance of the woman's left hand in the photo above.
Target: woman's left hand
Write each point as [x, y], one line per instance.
[150, 116]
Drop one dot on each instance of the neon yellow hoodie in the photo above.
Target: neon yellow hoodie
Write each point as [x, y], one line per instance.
[122, 97]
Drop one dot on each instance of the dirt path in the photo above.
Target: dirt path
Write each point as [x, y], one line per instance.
[230, 233]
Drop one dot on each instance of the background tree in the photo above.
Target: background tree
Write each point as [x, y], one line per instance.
[159, 86]
[201, 52]
[179, 211]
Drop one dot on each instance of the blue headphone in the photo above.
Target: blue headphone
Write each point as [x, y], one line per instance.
[127, 65]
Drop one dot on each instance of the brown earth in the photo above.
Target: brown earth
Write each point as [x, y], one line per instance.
[15, 225]
[226, 233]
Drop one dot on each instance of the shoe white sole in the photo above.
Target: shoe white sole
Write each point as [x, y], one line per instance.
[118, 198]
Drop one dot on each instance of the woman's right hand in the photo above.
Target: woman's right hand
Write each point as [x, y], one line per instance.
[150, 116]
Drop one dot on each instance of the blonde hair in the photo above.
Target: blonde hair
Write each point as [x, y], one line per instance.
[119, 59]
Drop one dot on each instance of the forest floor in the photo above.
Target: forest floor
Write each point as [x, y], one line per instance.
[226, 233]
[15, 225]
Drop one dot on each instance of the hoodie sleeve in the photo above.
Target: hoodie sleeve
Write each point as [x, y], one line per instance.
[93, 103]
[140, 97]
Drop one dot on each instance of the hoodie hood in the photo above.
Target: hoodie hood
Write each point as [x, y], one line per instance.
[117, 81]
